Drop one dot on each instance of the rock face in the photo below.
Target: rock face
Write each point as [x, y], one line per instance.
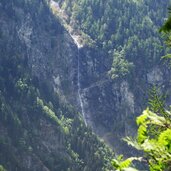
[49, 49]
[108, 106]
[40, 126]
[52, 55]
[39, 123]
[111, 106]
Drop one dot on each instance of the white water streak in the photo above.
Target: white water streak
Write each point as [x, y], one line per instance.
[76, 39]
[79, 88]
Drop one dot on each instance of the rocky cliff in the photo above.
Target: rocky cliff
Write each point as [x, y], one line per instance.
[111, 104]
[40, 126]
[47, 76]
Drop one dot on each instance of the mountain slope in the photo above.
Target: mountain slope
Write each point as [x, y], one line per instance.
[120, 62]
[39, 127]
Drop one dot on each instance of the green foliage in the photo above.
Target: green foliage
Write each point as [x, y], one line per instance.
[34, 121]
[21, 85]
[156, 100]
[47, 110]
[126, 23]
[124, 165]
[66, 124]
[166, 31]
[154, 139]
[167, 25]
[120, 66]
[2, 168]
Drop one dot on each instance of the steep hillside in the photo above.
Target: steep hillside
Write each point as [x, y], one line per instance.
[120, 62]
[40, 130]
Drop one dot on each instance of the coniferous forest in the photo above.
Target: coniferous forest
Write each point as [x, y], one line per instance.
[79, 76]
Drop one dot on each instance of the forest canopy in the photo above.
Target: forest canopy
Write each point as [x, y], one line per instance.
[154, 128]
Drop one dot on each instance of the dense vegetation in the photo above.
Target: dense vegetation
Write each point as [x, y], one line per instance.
[120, 25]
[153, 137]
[154, 128]
[128, 32]
[126, 35]
[37, 130]
[34, 122]
[24, 102]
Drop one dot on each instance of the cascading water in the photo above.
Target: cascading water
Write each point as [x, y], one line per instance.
[79, 87]
[76, 38]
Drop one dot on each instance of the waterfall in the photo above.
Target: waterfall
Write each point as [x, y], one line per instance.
[76, 38]
[79, 87]
[80, 96]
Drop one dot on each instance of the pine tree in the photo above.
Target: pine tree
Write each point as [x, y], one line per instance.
[154, 129]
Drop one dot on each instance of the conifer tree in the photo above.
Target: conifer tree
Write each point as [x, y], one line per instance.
[154, 128]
